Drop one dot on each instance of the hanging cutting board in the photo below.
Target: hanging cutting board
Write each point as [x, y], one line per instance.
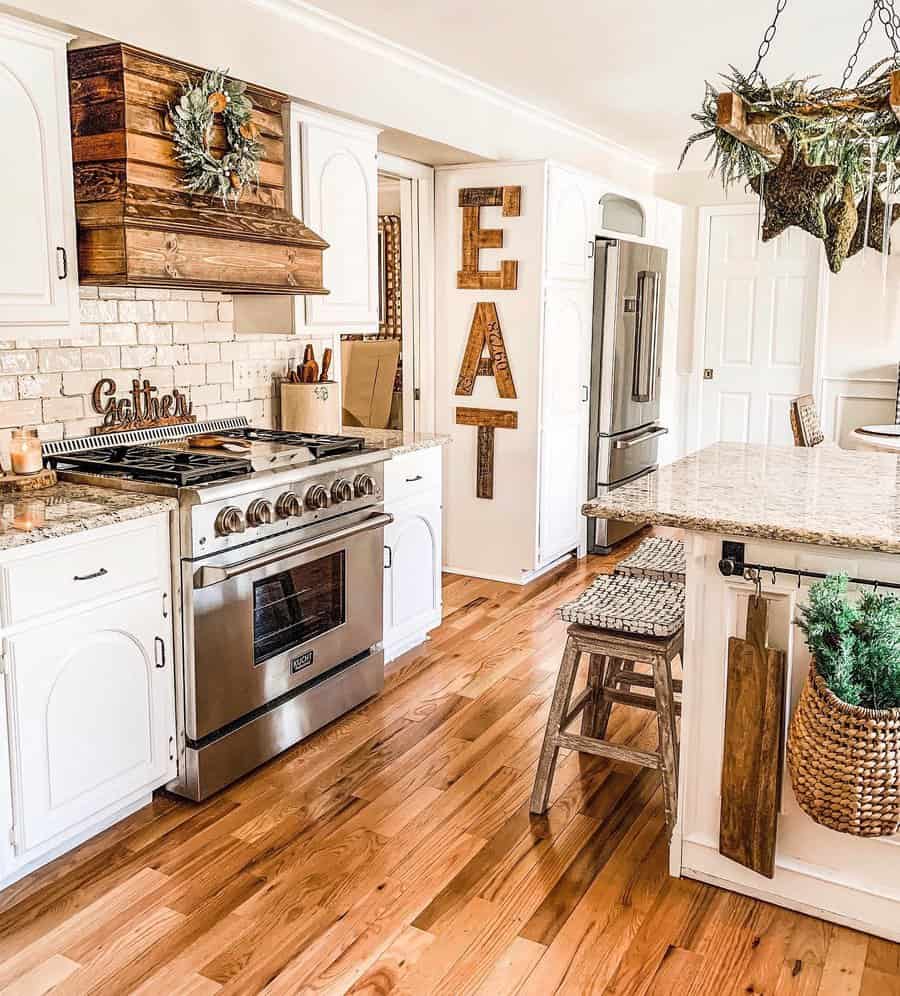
[751, 761]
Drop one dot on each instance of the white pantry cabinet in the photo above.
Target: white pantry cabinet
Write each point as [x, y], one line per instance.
[412, 548]
[89, 690]
[572, 210]
[38, 272]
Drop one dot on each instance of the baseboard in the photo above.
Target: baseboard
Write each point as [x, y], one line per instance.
[526, 577]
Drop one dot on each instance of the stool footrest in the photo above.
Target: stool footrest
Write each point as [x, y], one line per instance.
[626, 677]
[603, 748]
[635, 699]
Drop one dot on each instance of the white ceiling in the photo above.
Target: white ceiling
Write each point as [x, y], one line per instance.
[631, 71]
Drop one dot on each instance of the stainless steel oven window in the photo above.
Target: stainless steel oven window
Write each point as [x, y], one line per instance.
[297, 605]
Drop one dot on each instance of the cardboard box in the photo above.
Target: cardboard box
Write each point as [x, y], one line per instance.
[369, 367]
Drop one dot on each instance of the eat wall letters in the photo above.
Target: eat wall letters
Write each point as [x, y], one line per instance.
[475, 238]
[485, 331]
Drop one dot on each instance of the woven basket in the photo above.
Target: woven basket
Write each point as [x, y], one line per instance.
[845, 762]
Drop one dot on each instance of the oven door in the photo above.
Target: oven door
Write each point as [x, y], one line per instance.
[265, 625]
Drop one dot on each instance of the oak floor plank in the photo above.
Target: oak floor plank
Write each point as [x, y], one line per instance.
[393, 852]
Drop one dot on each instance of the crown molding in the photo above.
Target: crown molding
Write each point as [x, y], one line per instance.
[324, 22]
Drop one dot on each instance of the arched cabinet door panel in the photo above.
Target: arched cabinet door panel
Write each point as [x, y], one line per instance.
[570, 225]
[340, 202]
[38, 282]
[91, 714]
[413, 569]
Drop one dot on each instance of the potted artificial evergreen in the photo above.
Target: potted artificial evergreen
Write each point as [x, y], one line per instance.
[843, 746]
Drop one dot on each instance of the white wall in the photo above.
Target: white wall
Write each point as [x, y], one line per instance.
[292, 47]
[861, 341]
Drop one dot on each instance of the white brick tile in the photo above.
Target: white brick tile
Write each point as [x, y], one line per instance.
[89, 336]
[82, 383]
[40, 386]
[205, 394]
[171, 356]
[99, 311]
[54, 430]
[152, 294]
[207, 352]
[187, 295]
[218, 331]
[135, 311]
[228, 410]
[80, 427]
[29, 343]
[215, 296]
[17, 413]
[233, 351]
[139, 356]
[18, 361]
[261, 350]
[188, 332]
[101, 358]
[226, 311]
[161, 377]
[117, 293]
[189, 375]
[118, 335]
[154, 335]
[199, 412]
[9, 389]
[87, 293]
[63, 409]
[252, 410]
[170, 311]
[230, 393]
[202, 311]
[219, 373]
[56, 360]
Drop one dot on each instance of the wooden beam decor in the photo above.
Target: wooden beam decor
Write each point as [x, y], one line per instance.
[140, 409]
[475, 238]
[487, 420]
[753, 130]
[484, 332]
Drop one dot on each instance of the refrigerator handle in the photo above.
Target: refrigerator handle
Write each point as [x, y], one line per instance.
[643, 386]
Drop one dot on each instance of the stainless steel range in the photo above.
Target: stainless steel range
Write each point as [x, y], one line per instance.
[278, 565]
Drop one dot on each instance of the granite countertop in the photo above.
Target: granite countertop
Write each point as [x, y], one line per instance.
[65, 509]
[824, 495]
[396, 440]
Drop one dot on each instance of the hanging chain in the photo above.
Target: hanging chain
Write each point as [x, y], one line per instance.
[863, 35]
[888, 17]
[766, 43]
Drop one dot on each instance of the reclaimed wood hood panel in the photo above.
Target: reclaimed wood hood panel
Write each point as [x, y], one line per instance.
[137, 227]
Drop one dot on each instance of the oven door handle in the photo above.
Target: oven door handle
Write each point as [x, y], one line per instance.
[209, 575]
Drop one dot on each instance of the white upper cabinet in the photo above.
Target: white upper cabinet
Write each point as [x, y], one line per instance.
[38, 278]
[337, 187]
[564, 418]
[570, 224]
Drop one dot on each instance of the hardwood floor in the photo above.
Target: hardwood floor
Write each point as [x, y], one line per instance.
[394, 853]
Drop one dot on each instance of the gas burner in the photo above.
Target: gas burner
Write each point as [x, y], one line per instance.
[159, 466]
[319, 444]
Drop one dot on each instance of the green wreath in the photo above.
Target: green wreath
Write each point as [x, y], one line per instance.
[193, 118]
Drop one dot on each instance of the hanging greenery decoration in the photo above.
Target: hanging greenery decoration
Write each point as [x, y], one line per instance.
[193, 119]
[779, 138]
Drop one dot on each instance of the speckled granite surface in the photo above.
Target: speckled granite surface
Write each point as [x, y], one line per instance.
[396, 440]
[65, 509]
[821, 495]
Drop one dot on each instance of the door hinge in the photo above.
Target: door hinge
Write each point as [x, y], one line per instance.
[3, 659]
[12, 835]
[417, 394]
[171, 748]
[165, 609]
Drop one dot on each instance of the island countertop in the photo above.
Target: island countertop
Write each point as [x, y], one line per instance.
[822, 495]
[396, 440]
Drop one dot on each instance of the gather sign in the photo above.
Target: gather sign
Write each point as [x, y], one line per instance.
[141, 408]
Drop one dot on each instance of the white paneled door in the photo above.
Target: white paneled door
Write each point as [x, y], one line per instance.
[759, 328]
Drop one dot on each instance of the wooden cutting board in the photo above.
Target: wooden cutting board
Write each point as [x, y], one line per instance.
[751, 761]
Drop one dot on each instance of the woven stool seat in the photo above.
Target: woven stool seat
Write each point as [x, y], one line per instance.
[641, 605]
[657, 557]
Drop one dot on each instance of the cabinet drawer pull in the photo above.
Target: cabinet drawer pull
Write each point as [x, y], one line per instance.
[62, 262]
[90, 577]
[160, 653]
[390, 558]
[410, 480]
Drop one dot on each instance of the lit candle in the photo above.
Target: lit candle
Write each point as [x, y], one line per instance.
[25, 452]
[28, 515]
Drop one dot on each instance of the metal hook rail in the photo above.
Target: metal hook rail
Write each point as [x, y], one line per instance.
[733, 563]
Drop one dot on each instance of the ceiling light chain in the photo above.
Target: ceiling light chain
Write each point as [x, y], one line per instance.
[766, 43]
[863, 35]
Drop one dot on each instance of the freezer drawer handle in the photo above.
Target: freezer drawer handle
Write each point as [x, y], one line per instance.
[646, 335]
[210, 575]
[626, 444]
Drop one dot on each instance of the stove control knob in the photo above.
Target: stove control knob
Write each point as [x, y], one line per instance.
[229, 521]
[288, 506]
[341, 490]
[364, 486]
[260, 512]
[317, 497]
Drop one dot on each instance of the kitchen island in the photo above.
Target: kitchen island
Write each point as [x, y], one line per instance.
[818, 510]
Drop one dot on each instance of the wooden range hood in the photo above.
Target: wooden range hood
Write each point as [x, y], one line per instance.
[137, 227]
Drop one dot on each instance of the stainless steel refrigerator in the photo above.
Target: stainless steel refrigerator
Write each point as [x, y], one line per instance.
[629, 291]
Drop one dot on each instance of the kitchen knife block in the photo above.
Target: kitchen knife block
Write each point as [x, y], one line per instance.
[311, 407]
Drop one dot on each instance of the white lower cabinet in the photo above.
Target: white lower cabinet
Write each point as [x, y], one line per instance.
[412, 549]
[90, 706]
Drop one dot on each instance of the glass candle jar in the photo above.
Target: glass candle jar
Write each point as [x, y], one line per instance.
[28, 515]
[25, 452]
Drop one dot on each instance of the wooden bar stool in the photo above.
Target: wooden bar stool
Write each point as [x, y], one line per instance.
[618, 621]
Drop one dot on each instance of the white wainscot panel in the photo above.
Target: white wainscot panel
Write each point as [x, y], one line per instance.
[734, 417]
[850, 403]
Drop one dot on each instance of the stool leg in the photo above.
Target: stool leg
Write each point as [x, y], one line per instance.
[668, 739]
[593, 713]
[559, 706]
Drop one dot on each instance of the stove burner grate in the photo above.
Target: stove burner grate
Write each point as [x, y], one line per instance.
[318, 444]
[145, 463]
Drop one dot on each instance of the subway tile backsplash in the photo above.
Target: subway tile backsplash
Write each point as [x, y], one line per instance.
[182, 339]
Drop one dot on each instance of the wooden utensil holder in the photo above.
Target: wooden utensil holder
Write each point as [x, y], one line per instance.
[311, 407]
